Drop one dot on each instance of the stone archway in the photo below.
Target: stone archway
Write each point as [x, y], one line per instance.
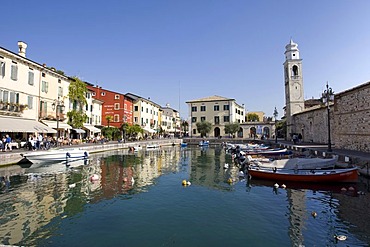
[216, 132]
[240, 133]
[266, 132]
[252, 132]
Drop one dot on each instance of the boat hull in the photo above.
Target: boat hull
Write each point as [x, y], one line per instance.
[321, 176]
[56, 155]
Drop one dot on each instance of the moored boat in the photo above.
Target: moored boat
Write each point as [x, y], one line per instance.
[56, 155]
[294, 163]
[319, 176]
[203, 143]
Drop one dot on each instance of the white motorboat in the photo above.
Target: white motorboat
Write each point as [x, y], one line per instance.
[294, 163]
[152, 147]
[56, 155]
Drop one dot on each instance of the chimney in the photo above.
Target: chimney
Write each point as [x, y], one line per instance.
[22, 48]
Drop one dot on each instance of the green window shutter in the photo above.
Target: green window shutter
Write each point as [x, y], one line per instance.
[30, 102]
[2, 69]
[46, 87]
[30, 77]
[14, 72]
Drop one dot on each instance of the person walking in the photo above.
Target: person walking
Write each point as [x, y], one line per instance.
[8, 140]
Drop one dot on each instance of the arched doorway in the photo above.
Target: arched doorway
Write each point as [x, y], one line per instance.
[240, 133]
[216, 132]
[266, 132]
[252, 132]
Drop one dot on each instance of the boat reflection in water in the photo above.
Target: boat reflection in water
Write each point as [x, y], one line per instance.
[108, 199]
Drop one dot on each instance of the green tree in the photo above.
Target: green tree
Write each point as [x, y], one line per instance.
[184, 125]
[281, 128]
[232, 128]
[77, 93]
[133, 130]
[252, 117]
[204, 128]
[109, 119]
[111, 133]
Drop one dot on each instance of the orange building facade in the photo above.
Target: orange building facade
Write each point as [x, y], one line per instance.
[116, 105]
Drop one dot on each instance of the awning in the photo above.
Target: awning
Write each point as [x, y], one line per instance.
[53, 124]
[79, 131]
[14, 124]
[92, 128]
[147, 129]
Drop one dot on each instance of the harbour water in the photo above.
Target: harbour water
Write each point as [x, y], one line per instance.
[119, 198]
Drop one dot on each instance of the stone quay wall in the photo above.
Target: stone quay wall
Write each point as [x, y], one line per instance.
[349, 121]
[352, 119]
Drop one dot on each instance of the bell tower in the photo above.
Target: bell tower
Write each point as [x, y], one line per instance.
[294, 97]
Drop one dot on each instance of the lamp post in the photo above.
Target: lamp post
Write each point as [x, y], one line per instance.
[327, 96]
[275, 116]
[58, 105]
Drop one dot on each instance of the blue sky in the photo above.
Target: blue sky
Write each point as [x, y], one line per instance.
[175, 51]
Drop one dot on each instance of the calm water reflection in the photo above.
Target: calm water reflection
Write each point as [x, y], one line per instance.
[138, 200]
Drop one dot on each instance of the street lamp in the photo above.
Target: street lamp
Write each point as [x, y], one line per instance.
[58, 105]
[275, 116]
[327, 96]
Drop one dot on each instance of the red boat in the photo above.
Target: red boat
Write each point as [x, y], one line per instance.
[319, 176]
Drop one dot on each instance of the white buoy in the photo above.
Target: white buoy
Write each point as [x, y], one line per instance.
[276, 185]
[341, 237]
[283, 186]
[72, 185]
[188, 183]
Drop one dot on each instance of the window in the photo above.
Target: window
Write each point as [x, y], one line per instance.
[91, 108]
[116, 118]
[194, 119]
[88, 95]
[31, 77]
[136, 108]
[216, 108]
[44, 86]
[226, 119]
[43, 74]
[116, 106]
[87, 107]
[14, 72]
[135, 119]
[5, 96]
[102, 94]
[202, 119]
[2, 69]
[226, 107]
[59, 81]
[147, 110]
[217, 119]
[203, 108]
[30, 102]
[194, 131]
[116, 96]
[93, 94]
[60, 92]
[193, 108]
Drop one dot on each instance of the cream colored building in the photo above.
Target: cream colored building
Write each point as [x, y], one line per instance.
[170, 120]
[27, 93]
[146, 113]
[217, 110]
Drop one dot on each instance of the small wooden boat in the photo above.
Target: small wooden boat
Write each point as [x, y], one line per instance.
[296, 175]
[294, 163]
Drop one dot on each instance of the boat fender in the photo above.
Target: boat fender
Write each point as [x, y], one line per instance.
[68, 155]
[85, 154]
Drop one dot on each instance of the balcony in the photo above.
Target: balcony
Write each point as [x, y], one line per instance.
[11, 109]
